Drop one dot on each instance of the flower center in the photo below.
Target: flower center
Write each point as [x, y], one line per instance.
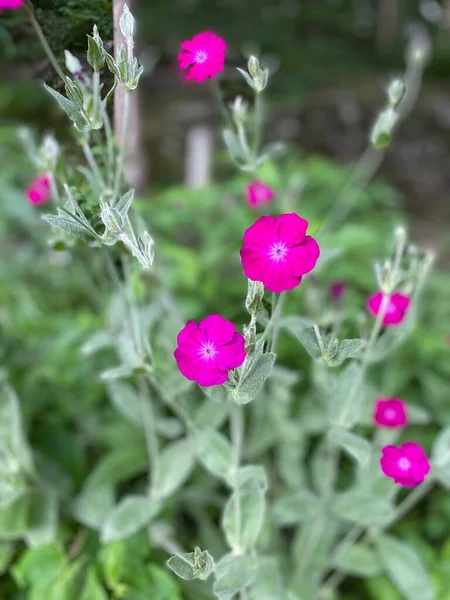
[404, 463]
[201, 56]
[278, 252]
[389, 414]
[207, 351]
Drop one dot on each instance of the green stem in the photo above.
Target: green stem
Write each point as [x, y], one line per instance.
[123, 147]
[151, 437]
[274, 324]
[40, 34]
[109, 143]
[258, 122]
[237, 439]
[93, 165]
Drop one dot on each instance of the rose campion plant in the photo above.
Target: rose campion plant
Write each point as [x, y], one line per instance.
[215, 399]
[10, 4]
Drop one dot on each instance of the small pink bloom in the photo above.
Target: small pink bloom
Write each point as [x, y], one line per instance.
[207, 351]
[337, 290]
[407, 465]
[259, 193]
[390, 413]
[278, 252]
[204, 54]
[396, 310]
[39, 190]
[10, 4]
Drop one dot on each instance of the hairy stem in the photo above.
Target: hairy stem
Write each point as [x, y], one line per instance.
[237, 438]
[123, 147]
[151, 437]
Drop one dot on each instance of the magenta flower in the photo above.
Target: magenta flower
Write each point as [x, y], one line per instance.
[337, 290]
[278, 252]
[407, 465]
[38, 191]
[396, 310]
[390, 412]
[207, 351]
[204, 54]
[10, 4]
[259, 193]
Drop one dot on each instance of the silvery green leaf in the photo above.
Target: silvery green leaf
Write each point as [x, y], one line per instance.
[405, 568]
[93, 505]
[295, 509]
[362, 508]
[43, 519]
[170, 428]
[127, 23]
[358, 560]
[355, 445]
[247, 77]
[100, 340]
[175, 465]
[253, 380]
[243, 516]
[96, 52]
[347, 396]
[233, 573]
[123, 205]
[14, 519]
[112, 66]
[119, 372]
[74, 93]
[11, 429]
[211, 415]
[268, 584]
[70, 226]
[125, 399]
[128, 517]
[302, 329]
[418, 415]
[441, 457]
[214, 452]
[233, 145]
[255, 473]
[69, 108]
[346, 349]
[193, 565]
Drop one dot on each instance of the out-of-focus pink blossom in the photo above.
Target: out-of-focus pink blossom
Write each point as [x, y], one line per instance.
[390, 412]
[259, 193]
[396, 309]
[204, 56]
[38, 191]
[10, 4]
[407, 464]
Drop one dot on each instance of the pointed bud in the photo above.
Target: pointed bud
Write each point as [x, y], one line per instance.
[112, 219]
[396, 91]
[127, 23]
[149, 247]
[72, 63]
[384, 128]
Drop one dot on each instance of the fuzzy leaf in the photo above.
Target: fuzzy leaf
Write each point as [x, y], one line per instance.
[295, 509]
[362, 508]
[254, 379]
[242, 529]
[347, 396]
[268, 584]
[405, 568]
[233, 573]
[69, 108]
[355, 445]
[193, 565]
[128, 517]
[346, 349]
[175, 466]
[70, 226]
[358, 560]
[123, 205]
[214, 452]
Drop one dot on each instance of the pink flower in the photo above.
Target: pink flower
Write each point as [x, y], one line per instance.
[206, 53]
[396, 310]
[337, 290]
[259, 193]
[278, 252]
[390, 413]
[207, 351]
[10, 4]
[407, 465]
[38, 191]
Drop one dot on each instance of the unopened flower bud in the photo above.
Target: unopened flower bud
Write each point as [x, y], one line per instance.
[48, 153]
[420, 48]
[72, 63]
[384, 128]
[396, 91]
[400, 235]
[127, 23]
[255, 294]
[112, 219]
[149, 247]
[254, 67]
[239, 111]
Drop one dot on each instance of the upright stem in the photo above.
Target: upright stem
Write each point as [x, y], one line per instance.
[40, 34]
[123, 147]
[258, 122]
[275, 321]
[237, 438]
[148, 421]
[93, 165]
[109, 143]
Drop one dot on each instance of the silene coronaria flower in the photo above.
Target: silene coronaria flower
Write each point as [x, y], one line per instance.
[10, 4]
[407, 464]
[38, 191]
[208, 350]
[259, 193]
[390, 412]
[396, 309]
[204, 56]
[278, 252]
